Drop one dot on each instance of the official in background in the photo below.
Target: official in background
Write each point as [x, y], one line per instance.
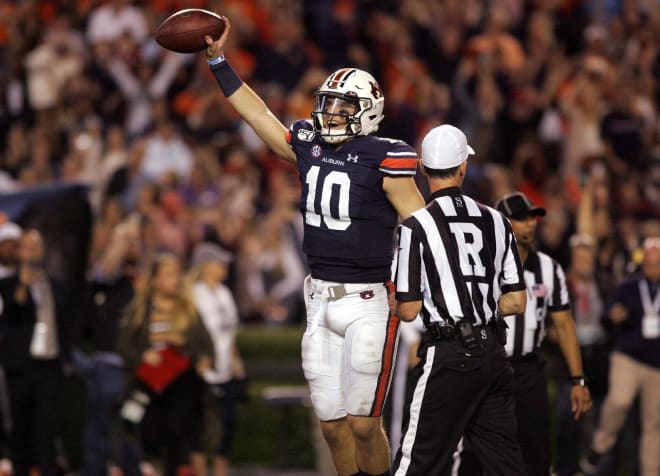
[458, 265]
[34, 344]
[634, 312]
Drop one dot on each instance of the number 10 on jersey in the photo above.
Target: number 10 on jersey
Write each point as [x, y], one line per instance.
[334, 181]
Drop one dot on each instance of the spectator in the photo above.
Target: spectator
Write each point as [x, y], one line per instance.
[219, 313]
[35, 345]
[10, 235]
[587, 305]
[165, 347]
[633, 311]
[286, 59]
[172, 224]
[113, 18]
[110, 290]
[114, 158]
[165, 151]
[622, 129]
[49, 67]
[104, 228]
[141, 83]
[272, 270]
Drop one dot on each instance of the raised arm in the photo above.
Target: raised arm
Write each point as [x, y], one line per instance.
[246, 102]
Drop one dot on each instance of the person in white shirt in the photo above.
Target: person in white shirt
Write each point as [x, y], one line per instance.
[165, 152]
[114, 18]
[217, 308]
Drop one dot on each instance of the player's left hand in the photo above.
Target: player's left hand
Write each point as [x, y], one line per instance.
[580, 401]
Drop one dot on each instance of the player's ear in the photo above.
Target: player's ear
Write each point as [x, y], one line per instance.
[462, 169]
[423, 168]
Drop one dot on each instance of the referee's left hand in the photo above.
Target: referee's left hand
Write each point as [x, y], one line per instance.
[580, 401]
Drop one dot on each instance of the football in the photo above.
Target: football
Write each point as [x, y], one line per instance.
[184, 31]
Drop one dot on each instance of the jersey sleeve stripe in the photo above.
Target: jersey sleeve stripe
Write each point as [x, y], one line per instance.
[399, 163]
[406, 172]
[402, 154]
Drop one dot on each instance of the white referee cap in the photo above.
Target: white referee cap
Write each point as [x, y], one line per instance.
[445, 147]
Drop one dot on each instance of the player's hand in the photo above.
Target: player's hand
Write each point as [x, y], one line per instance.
[580, 400]
[216, 48]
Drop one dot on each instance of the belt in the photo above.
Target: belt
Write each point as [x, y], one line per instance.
[437, 332]
[331, 292]
[338, 291]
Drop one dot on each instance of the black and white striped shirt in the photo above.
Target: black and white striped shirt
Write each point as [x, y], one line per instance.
[453, 242]
[546, 292]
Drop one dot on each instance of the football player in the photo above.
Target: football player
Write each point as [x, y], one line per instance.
[354, 187]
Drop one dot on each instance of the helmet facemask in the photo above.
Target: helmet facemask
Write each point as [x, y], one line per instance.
[337, 117]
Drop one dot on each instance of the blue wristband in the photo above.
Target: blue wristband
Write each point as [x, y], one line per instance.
[226, 77]
[218, 60]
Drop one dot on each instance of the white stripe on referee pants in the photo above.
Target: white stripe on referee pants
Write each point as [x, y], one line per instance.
[456, 465]
[415, 410]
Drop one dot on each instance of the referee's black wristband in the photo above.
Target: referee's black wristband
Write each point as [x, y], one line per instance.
[226, 77]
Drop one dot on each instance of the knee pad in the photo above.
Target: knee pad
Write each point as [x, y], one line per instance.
[327, 407]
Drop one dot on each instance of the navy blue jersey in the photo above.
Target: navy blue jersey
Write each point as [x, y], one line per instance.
[349, 222]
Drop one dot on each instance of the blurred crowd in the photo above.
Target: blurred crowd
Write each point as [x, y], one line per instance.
[558, 97]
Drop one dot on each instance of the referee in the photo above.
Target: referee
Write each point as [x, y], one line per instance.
[458, 265]
[547, 296]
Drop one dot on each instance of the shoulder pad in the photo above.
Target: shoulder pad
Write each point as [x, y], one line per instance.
[301, 131]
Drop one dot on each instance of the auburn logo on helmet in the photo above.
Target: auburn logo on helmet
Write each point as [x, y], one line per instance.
[339, 78]
[376, 92]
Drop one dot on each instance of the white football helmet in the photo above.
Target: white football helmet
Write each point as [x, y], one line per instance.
[349, 103]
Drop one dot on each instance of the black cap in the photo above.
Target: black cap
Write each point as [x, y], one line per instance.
[516, 205]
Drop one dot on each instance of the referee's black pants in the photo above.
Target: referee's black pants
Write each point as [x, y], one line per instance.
[459, 392]
[533, 421]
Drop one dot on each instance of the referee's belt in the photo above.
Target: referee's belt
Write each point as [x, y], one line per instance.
[438, 332]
